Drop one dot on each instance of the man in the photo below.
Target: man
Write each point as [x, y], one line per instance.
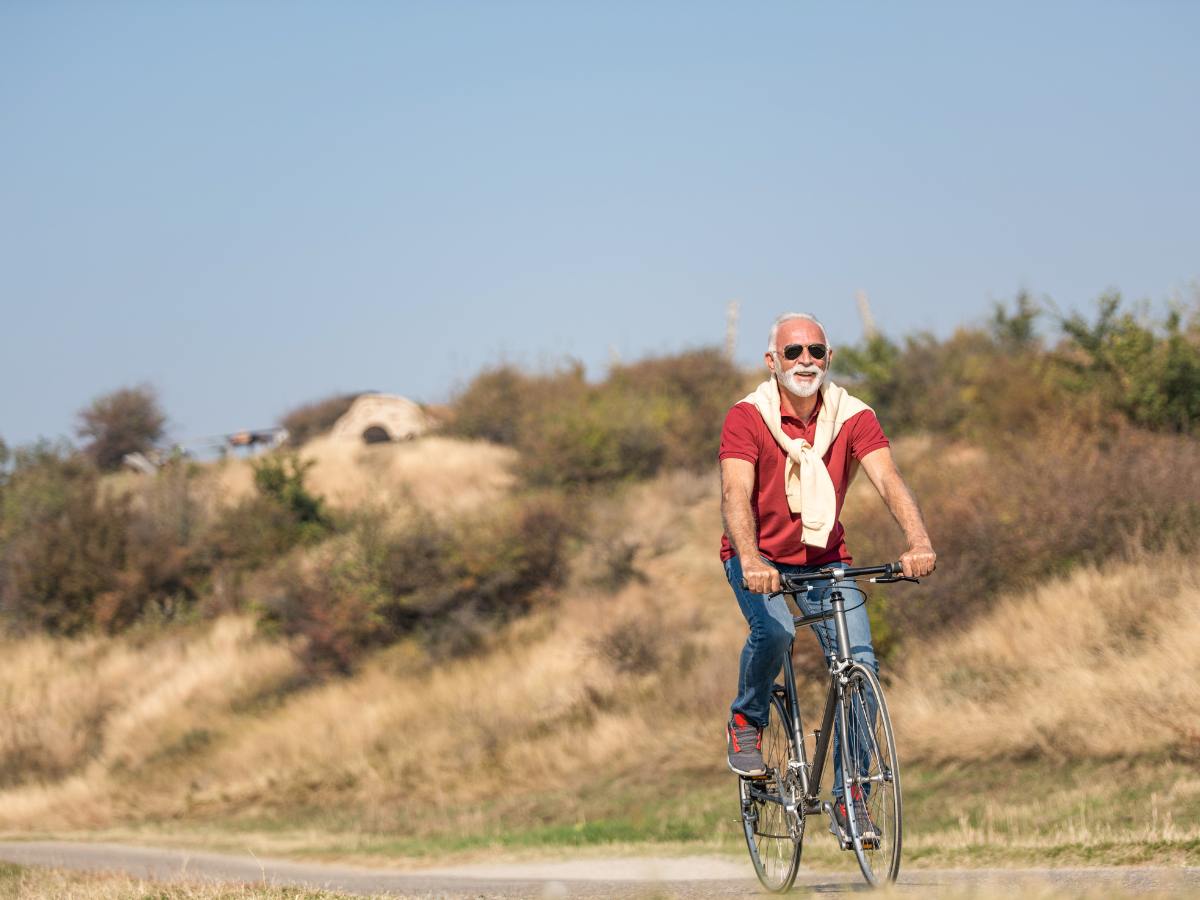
[788, 454]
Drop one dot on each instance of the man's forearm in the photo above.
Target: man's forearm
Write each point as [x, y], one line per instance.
[738, 519]
[903, 507]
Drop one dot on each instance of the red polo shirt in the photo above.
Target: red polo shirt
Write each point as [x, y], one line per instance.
[745, 436]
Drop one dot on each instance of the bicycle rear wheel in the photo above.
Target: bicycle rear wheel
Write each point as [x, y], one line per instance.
[870, 766]
[773, 835]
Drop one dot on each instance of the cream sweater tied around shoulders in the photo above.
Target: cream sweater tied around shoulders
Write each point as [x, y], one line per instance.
[810, 492]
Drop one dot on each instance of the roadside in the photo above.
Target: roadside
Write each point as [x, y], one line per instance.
[182, 875]
[990, 814]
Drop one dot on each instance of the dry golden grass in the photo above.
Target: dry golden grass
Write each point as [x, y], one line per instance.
[1099, 664]
[203, 726]
[81, 714]
[36, 883]
[542, 697]
[443, 475]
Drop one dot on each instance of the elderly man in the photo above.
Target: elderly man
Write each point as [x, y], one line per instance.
[788, 454]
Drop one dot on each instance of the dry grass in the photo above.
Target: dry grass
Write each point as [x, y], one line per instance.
[83, 714]
[440, 474]
[203, 727]
[542, 697]
[1099, 664]
[34, 883]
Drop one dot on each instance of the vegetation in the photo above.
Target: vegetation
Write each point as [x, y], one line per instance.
[29, 882]
[645, 417]
[125, 421]
[307, 421]
[1121, 368]
[555, 590]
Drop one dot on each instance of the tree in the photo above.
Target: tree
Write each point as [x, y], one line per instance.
[128, 420]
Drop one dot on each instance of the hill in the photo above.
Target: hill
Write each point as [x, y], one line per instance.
[1030, 711]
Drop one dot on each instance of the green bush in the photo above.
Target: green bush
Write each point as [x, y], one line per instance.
[281, 515]
[989, 381]
[1148, 371]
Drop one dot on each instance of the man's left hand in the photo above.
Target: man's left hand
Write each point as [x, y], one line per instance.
[918, 561]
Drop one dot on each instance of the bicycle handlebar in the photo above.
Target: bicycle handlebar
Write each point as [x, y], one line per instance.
[890, 572]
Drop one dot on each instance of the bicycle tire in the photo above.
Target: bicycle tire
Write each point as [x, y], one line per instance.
[773, 843]
[869, 752]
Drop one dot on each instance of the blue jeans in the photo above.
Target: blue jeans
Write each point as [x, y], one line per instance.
[771, 634]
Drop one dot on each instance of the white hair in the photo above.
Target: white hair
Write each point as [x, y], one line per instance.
[787, 317]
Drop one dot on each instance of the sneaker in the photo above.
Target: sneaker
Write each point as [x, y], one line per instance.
[867, 829]
[744, 741]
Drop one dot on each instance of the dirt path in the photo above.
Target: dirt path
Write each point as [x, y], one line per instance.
[697, 877]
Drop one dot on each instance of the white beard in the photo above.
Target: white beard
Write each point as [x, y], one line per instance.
[802, 388]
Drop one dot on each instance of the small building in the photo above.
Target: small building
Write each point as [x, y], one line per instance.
[377, 418]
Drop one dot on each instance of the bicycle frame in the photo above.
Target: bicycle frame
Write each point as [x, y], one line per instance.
[810, 773]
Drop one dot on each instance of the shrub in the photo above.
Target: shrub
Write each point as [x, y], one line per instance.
[1031, 505]
[983, 382]
[282, 514]
[73, 556]
[62, 544]
[644, 416]
[975, 383]
[311, 419]
[449, 585]
[125, 421]
[1149, 372]
[632, 646]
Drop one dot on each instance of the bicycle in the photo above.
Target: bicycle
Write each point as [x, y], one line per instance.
[776, 806]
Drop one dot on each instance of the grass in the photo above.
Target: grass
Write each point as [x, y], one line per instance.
[1059, 727]
[998, 814]
[35, 882]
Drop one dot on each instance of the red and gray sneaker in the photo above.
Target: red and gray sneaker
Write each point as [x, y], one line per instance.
[744, 740]
[869, 831]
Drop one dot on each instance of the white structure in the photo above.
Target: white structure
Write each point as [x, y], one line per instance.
[374, 418]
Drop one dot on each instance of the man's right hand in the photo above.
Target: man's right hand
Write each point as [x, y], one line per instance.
[759, 577]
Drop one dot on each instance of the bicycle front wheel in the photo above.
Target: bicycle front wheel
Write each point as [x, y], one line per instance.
[773, 834]
[871, 772]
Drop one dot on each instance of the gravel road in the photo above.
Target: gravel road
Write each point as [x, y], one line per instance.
[697, 877]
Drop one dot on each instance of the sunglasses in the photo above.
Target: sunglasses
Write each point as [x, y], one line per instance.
[793, 351]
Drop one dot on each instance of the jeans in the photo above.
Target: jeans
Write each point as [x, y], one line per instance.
[770, 638]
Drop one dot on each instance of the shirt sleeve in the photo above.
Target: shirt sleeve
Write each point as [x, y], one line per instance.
[866, 434]
[740, 435]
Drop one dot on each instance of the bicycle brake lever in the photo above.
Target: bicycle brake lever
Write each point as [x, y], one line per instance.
[892, 579]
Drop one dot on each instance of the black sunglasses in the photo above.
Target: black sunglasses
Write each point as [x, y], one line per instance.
[793, 351]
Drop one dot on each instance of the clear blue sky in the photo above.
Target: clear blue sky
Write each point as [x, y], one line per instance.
[254, 204]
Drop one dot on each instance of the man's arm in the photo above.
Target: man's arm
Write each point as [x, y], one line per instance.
[919, 559]
[737, 484]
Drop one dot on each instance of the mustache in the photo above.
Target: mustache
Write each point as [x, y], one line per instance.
[800, 369]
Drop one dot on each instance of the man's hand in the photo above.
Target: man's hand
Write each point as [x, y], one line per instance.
[918, 561]
[759, 577]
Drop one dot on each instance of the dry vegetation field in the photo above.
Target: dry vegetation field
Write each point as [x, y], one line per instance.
[1060, 725]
